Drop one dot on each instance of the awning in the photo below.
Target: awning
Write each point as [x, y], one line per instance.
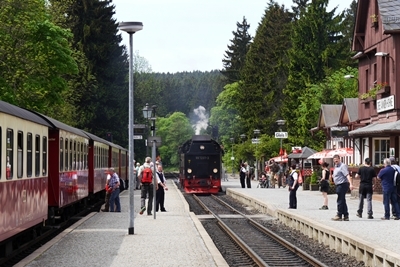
[342, 152]
[377, 128]
[320, 155]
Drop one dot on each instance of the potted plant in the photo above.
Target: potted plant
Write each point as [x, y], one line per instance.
[306, 183]
[314, 181]
[374, 20]
[332, 188]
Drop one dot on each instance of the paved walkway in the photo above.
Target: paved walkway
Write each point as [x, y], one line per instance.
[174, 238]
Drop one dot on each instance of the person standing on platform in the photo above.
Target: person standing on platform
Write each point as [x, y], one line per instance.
[162, 186]
[342, 180]
[274, 168]
[395, 165]
[324, 185]
[136, 172]
[113, 184]
[248, 176]
[293, 186]
[108, 193]
[367, 176]
[242, 175]
[386, 175]
[145, 175]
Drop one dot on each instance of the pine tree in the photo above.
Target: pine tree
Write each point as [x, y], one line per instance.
[316, 51]
[265, 72]
[236, 54]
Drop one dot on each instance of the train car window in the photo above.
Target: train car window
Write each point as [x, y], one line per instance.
[1, 152]
[66, 154]
[70, 155]
[61, 154]
[81, 157]
[37, 155]
[44, 155]
[74, 157]
[95, 156]
[10, 154]
[78, 155]
[29, 141]
[20, 157]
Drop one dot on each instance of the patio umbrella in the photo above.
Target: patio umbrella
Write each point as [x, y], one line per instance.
[279, 159]
[320, 155]
[342, 152]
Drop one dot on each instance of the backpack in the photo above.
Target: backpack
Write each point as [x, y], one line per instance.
[275, 168]
[147, 175]
[396, 178]
[121, 184]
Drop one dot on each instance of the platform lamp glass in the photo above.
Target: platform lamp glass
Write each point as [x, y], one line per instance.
[256, 133]
[131, 27]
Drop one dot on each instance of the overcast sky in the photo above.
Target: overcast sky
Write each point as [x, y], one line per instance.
[189, 35]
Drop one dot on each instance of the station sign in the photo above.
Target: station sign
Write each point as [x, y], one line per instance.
[385, 104]
[137, 137]
[281, 135]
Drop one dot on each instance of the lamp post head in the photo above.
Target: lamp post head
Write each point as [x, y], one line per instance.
[349, 76]
[243, 136]
[232, 139]
[381, 54]
[256, 131]
[281, 122]
[130, 26]
[147, 111]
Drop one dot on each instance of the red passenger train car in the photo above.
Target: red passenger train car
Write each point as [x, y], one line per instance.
[48, 171]
[200, 166]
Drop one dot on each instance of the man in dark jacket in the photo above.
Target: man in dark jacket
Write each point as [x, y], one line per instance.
[367, 182]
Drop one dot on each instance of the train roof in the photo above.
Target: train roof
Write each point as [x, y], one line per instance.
[60, 125]
[101, 140]
[23, 113]
[190, 147]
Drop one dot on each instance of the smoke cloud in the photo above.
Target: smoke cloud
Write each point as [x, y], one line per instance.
[200, 119]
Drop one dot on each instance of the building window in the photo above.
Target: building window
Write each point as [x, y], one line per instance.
[380, 150]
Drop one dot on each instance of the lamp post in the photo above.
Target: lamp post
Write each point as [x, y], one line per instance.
[243, 136]
[232, 158]
[131, 28]
[150, 114]
[350, 76]
[256, 133]
[280, 124]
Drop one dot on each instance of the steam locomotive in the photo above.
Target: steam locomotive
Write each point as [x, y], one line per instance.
[200, 167]
[48, 172]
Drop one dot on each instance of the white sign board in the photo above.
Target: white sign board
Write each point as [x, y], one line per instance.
[281, 135]
[232, 158]
[137, 137]
[385, 104]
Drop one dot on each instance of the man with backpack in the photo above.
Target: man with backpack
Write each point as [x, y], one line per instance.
[145, 175]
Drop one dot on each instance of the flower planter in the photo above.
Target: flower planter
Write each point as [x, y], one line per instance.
[306, 186]
[384, 90]
[314, 187]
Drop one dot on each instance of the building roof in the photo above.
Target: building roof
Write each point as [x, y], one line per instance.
[377, 128]
[349, 112]
[389, 11]
[329, 115]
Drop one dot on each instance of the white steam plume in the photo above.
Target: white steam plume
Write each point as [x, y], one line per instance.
[201, 122]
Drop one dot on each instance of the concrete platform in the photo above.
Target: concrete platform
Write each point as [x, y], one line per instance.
[376, 242]
[177, 238]
[174, 238]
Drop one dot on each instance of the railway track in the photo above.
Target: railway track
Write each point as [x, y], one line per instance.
[247, 242]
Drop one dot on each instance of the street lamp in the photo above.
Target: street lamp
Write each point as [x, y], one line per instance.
[385, 54]
[243, 136]
[131, 28]
[150, 114]
[350, 76]
[232, 158]
[256, 133]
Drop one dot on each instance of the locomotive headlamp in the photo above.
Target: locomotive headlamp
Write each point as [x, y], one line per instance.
[201, 147]
[215, 170]
[189, 170]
